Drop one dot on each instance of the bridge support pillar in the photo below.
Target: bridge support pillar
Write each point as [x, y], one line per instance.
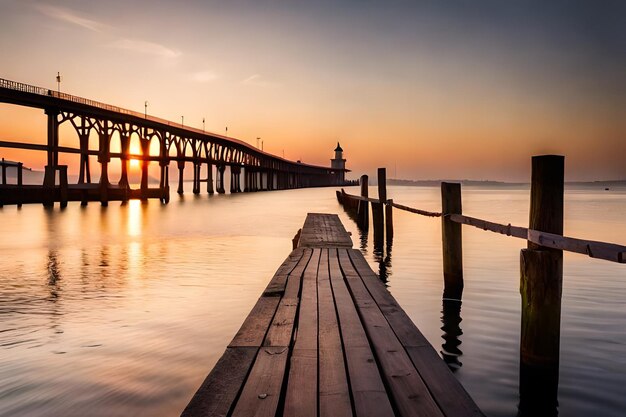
[181, 169]
[84, 171]
[196, 178]
[209, 179]
[220, 179]
[270, 180]
[53, 156]
[164, 185]
[145, 151]
[235, 179]
[104, 157]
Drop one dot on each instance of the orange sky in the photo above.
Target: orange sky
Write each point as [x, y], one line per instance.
[425, 90]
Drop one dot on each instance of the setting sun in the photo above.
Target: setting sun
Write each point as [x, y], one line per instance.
[134, 163]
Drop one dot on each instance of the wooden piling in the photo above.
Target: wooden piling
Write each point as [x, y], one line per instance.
[382, 196]
[541, 282]
[452, 241]
[389, 221]
[378, 221]
[363, 211]
[382, 185]
[378, 211]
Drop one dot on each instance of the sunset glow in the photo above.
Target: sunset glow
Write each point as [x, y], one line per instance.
[427, 90]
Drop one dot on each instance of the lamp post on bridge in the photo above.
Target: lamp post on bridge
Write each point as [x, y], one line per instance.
[145, 105]
[203, 124]
[182, 120]
[58, 82]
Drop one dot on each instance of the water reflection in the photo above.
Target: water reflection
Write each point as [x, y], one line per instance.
[538, 390]
[54, 275]
[383, 259]
[451, 320]
[362, 239]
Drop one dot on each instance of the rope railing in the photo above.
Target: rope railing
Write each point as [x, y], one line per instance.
[594, 249]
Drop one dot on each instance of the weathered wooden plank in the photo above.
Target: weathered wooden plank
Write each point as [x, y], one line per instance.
[366, 385]
[601, 250]
[409, 392]
[448, 392]
[406, 331]
[445, 388]
[301, 394]
[324, 230]
[515, 231]
[277, 284]
[261, 393]
[334, 393]
[216, 395]
[254, 328]
[292, 288]
[281, 328]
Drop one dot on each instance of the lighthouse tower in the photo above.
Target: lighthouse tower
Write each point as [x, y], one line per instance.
[339, 164]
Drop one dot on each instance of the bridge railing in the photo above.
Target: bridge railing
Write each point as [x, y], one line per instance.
[27, 88]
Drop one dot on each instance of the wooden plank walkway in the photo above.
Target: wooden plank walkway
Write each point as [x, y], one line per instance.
[326, 338]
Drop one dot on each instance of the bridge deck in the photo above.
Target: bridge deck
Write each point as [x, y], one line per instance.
[326, 338]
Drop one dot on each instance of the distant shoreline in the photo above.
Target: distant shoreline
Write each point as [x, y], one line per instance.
[487, 183]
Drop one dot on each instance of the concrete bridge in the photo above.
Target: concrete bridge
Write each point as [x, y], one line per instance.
[176, 143]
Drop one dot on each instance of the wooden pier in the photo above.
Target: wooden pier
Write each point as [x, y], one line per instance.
[326, 338]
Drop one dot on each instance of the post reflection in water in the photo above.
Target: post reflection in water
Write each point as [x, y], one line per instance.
[383, 258]
[451, 320]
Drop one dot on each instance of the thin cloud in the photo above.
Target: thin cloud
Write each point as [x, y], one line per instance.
[203, 76]
[257, 80]
[68, 16]
[145, 47]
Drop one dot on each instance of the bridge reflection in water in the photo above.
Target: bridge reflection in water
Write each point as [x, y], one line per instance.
[160, 141]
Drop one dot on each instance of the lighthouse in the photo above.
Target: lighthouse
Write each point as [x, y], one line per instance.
[339, 165]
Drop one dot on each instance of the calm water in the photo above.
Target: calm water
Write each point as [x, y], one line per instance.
[123, 310]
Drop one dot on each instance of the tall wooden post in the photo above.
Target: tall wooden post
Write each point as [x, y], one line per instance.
[541, 281]
[382, 195]
[363, 210]
[378, 212]
[382, 185]
[452, 241]
[378, 220]
[389, 221]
